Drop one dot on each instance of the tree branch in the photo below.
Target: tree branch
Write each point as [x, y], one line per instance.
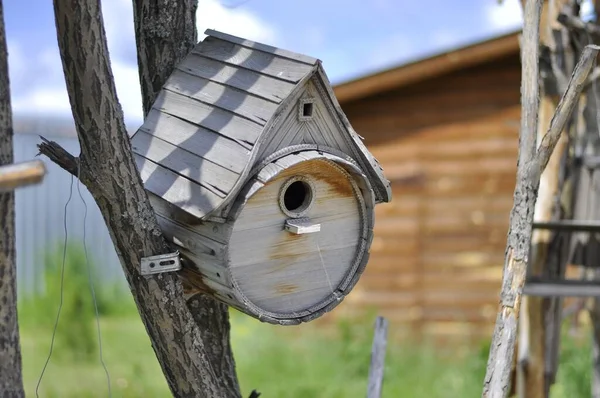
[58, 155]
[165, 32]
[184, 351]
[530, 166]
[574, 23]
[498, 373]
[565, 107]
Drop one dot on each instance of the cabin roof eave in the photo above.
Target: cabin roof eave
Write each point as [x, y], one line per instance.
[427, 68]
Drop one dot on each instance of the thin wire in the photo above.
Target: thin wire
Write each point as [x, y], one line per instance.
[90, 282]
[323, 265]
[62, 280]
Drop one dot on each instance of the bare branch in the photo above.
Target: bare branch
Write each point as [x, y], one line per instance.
[58, 155]
[574, 23]
[530, 167]
[498, 373]
[565, 107]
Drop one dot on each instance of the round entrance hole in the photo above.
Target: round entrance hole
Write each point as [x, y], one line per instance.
[296, 197]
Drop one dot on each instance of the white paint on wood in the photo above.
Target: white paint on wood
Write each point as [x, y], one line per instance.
[284, 273]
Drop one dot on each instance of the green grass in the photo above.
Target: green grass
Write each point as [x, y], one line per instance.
[307, 361]
[280, 362]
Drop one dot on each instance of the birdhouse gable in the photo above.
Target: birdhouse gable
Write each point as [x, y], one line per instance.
[227, 107]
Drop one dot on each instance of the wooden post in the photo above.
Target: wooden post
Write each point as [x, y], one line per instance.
[377, 369]
[532, 380]
[21, 174]
[531, 164]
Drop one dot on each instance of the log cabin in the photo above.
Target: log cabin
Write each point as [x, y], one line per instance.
[445, 130]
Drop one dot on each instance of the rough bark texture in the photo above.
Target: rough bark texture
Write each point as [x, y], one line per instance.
[533, 377]
[497, 378]
[11, 382]
[184, 346]
[165, 32]
[531, 164]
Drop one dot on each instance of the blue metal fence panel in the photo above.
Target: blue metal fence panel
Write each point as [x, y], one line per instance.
[40, 212]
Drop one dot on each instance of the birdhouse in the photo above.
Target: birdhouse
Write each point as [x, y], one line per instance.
[256, 175]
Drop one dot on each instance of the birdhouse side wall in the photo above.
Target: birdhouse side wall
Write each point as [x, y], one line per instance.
[202, 245]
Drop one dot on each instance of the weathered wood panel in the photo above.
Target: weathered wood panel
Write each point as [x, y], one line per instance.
[258, 61]
[255, 83]
[449, 145]
[281, 272]
[211, 176]
[234, 100]
[220, 121]
[197, 140]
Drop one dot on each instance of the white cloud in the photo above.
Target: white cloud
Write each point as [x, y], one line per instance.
[505, 16]
[38, 83]
[212, 14]
[43, 101]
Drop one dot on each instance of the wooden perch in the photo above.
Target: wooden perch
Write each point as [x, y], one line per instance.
[21, 174]
[531, 163]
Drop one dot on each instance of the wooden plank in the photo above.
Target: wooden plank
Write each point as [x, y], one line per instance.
[218, 232]
[387, 300]
[282, 272]
[234, 100]
[203, 142]
[262, 47]
[178, 190]
[211, 176]
[266, 87]
[18, 175]
[187, 239]
[262, 62]
[220, 121]
[377, 368]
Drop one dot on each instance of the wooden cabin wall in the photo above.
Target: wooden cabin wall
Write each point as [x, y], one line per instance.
[449, 147]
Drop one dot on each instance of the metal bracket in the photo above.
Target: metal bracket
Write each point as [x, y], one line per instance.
[159, 264]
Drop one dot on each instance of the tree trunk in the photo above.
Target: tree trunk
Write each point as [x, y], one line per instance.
[11, 382]
[192, 346]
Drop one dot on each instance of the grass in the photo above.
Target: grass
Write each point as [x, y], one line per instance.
[303, 361]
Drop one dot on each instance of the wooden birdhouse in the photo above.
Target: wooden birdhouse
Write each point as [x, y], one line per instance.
[258, 178]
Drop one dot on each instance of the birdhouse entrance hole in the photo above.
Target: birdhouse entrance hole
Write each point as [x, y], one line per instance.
[296, 197]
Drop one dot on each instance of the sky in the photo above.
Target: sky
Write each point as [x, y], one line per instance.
[353, 38]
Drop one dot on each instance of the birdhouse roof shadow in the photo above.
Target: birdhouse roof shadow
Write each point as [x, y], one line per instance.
[203, 135]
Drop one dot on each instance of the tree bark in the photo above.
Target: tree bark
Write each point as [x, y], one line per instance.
[11, 382]
[192, 348]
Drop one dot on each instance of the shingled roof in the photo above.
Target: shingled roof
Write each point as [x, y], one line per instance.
[204, 131]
